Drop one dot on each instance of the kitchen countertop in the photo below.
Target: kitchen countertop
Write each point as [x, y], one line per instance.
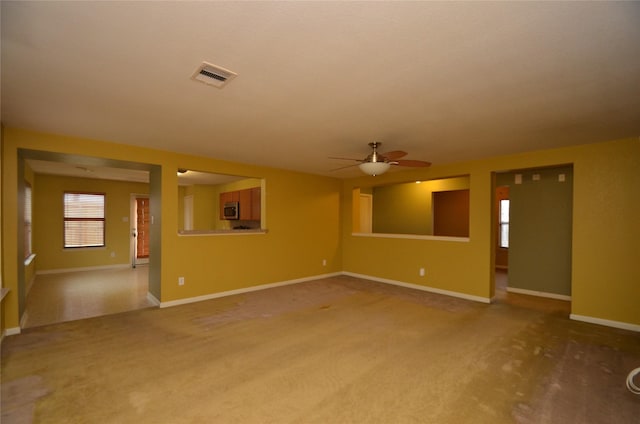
[222, 232]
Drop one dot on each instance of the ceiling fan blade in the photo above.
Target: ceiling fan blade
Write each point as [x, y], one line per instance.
[343, 167]
[412, 163]
[358, 160]
[395, 154]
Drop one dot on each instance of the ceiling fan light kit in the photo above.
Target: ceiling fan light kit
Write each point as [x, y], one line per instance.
[374, 168]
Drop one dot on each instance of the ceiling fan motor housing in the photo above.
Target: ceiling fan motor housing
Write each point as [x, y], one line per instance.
[374, 156]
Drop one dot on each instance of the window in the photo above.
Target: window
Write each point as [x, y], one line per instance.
[27, 220]
[504, 223]
[83, 219]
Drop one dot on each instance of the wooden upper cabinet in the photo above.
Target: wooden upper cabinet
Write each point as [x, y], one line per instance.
[256, 203]
[245, 204]
[249, 203]
[229, 196]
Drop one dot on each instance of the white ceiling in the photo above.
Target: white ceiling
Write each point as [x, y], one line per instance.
[445, 81]
[69, 167]
[51, 167]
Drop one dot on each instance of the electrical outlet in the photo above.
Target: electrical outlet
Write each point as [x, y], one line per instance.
[324, 262]
[181, 281]
[421, 272]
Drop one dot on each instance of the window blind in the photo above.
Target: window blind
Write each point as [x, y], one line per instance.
[84, 219]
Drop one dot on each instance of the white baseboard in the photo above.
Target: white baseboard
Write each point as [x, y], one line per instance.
[23, 319]
[606, 322]
[88, 268]
[153, 299]
[11, 331]
[419, 287]
[243, 290]
[539, 293]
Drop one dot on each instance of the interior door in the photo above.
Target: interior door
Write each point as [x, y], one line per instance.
[142, 228]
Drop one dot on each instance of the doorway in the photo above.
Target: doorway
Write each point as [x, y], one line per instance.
[84, 288]
[501, 245]
[532, 228]
[140, 220]
[502, 231]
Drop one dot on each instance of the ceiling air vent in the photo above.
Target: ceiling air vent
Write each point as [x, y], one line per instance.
[213, 75]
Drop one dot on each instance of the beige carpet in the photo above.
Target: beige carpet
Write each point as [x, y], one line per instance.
[337, 350]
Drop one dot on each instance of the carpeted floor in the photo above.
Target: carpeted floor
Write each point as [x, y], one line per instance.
[338, 350]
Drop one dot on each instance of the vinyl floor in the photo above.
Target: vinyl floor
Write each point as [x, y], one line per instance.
[70, 296]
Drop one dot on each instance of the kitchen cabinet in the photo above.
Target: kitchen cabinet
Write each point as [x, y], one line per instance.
[229, 196]
[249, 203]
[256, 203]
[245, 204]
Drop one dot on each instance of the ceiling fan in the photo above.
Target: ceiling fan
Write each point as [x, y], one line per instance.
[378, 163]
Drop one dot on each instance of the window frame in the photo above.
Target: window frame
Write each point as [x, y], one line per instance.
[66, 219]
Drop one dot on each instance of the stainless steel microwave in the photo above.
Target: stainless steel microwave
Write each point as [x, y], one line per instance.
[231, 210]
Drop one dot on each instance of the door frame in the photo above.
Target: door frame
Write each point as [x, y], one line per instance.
[133, 220]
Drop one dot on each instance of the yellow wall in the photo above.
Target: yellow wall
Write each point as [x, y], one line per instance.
[606, 231]
[240, 185]
[303, 227]
[48, 241]
[205, 206]
[310, 219]
[303, 230]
